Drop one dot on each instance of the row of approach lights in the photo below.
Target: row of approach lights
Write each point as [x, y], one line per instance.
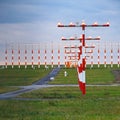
[83, 25]
[75, 38]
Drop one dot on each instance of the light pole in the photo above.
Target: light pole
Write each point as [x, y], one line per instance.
[81, 59]
[82, 62]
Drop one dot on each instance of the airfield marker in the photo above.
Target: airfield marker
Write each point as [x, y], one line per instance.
[6, 58]
[111, 56]
[98, 56]
[12, 58]
[45, 58]
[83, 26]
[32, 57]
[38, 58]
[105, 56]
[52, 57]
[18, 57]
[118, 56]
[58, 57]
[25, 58]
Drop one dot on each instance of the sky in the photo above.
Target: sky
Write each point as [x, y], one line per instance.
[35, 21]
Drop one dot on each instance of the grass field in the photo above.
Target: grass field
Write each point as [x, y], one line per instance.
[20, 77]
[66, 103]
[93, 76]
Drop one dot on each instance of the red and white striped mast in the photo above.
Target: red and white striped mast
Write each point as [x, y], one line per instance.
[6, 56]
[32, 52]
[98, 56]
[45, 57]
[105, 57]
[111, 56]
[25, 57]
[118, 55]
[82, 66]
[12, 57]
[59, 56]
[52, 55]
[39, 57]
[18, 56]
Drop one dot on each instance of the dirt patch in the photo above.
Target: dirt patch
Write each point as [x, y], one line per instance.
[117, 75]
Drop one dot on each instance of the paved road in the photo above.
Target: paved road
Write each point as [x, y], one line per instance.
[24, 89]
[39, 84]
[46, 79]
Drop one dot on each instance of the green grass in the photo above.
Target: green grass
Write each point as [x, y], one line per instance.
[61, 103]
[22, 76]
[73, 92]
[93, 76]
[4, 89]
[100, 75]
[65, 103]
[70, 79]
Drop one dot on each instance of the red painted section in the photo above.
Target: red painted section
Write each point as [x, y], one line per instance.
[84, 62]
[83, 88]
[83, 40]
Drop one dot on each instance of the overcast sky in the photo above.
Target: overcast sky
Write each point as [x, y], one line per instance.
[35, 21]
[29, 21]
